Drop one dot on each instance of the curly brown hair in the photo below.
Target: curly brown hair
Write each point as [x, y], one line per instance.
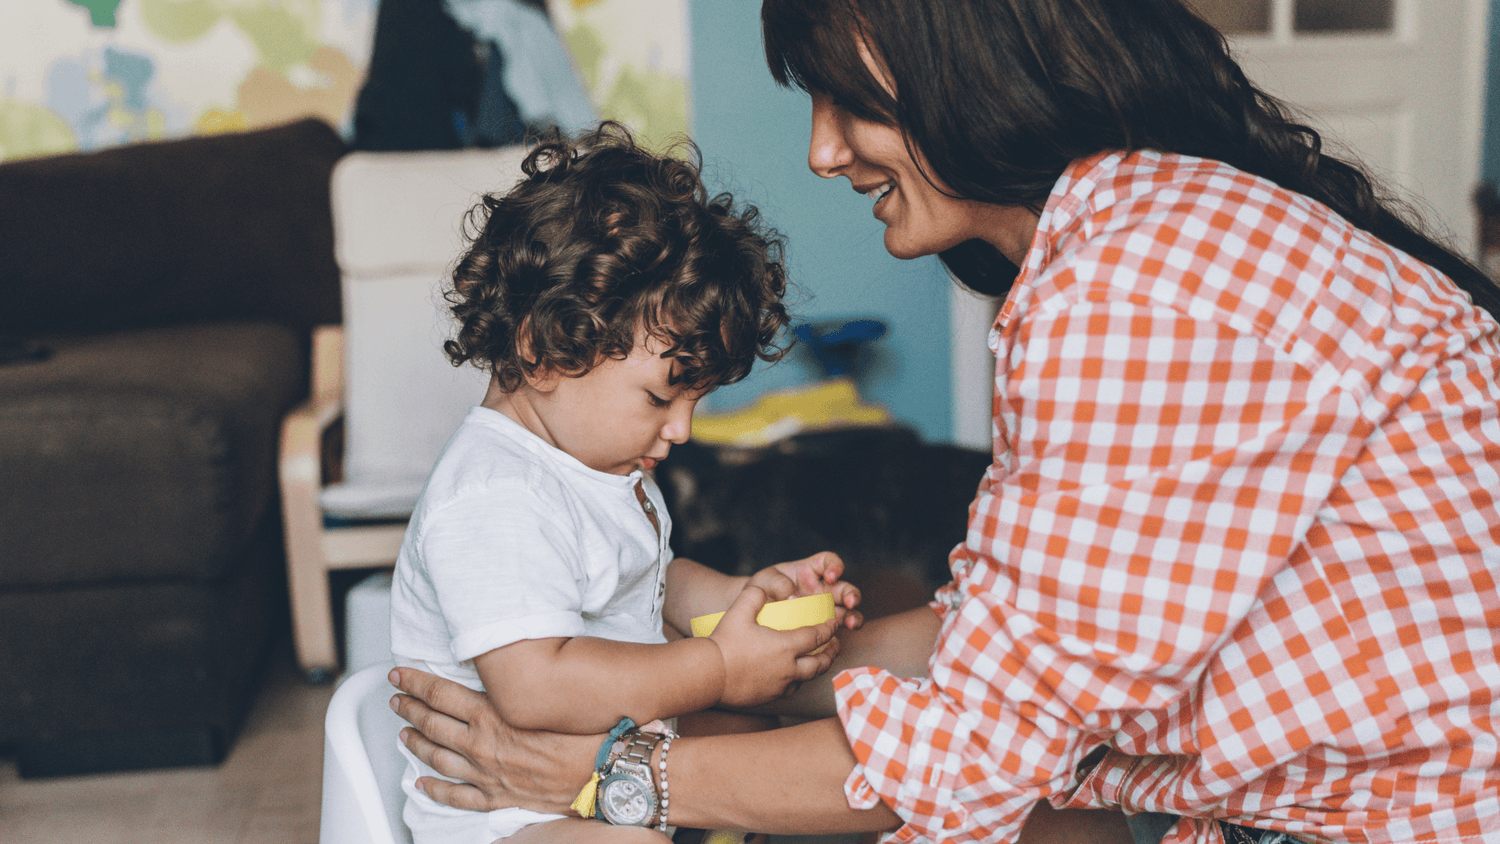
[601, 240]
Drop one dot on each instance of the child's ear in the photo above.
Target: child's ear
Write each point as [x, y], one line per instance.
[543, 380]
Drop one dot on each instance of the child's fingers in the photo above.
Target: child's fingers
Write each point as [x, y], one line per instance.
[813, 636]
[747, 605]
[851, 619]
[811, 583]
[833, 566]
[846, 594]
[777, 586]
[814, 662]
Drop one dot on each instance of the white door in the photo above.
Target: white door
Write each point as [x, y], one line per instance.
[1398, 83]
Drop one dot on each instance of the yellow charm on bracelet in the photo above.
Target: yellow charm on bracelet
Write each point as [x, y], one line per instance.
[583, 804]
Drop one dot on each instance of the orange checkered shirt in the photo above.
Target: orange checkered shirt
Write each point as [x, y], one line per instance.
[1240, 530]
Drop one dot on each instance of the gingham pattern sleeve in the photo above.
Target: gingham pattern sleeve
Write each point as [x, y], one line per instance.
[1186, 382]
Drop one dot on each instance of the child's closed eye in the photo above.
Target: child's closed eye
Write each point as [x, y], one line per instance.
[657, 401]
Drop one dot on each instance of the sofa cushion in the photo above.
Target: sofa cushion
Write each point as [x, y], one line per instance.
[224, 227]
[142, 454]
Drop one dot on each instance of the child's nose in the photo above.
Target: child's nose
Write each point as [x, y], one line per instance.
[679, 426]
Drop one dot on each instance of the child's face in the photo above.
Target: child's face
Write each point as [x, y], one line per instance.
[621, 416]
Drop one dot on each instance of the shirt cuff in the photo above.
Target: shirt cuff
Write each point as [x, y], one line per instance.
[551, 625]
[883, 720]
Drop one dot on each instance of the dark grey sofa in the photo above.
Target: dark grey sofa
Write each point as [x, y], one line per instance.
[157, 302]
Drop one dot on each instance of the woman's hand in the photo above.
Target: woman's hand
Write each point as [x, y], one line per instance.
[459, 735]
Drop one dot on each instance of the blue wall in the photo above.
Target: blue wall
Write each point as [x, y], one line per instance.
[754, 139]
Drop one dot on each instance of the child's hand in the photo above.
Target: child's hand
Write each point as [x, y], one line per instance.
[762, 664]
[818, 574]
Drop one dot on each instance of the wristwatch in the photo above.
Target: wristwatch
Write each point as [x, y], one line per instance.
[627, 793]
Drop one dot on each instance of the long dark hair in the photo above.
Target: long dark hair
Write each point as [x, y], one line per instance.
[1001, 96]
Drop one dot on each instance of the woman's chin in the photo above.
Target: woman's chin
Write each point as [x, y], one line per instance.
[904, 249]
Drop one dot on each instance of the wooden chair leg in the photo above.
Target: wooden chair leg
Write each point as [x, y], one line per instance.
[302, 519]
[312, 621]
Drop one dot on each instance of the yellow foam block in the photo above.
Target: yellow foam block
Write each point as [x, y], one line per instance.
[779, 615]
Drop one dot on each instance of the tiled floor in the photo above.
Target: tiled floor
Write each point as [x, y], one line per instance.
[266, 792]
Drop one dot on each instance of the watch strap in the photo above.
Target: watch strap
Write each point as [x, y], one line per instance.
[637, 749]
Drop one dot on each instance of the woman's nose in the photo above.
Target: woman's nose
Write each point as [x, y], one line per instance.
[827, 152]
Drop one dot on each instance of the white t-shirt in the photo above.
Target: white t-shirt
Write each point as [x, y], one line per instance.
[515, 539]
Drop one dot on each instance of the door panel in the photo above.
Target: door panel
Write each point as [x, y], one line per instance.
[1397, 82]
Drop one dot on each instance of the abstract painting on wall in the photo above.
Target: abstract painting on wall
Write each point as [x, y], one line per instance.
[77, 75]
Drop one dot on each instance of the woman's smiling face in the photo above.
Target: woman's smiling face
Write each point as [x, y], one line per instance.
[921, 216]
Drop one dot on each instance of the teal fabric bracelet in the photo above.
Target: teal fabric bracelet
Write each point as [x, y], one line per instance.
[625, 726]
[584, 804]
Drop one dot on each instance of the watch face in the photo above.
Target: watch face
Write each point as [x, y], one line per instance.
[625, 800]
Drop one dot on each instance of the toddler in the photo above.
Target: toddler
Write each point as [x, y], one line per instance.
[606, 294]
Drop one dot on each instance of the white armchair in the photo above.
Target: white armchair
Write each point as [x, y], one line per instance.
[397, 226]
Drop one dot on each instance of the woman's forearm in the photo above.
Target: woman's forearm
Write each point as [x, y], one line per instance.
[787, 781]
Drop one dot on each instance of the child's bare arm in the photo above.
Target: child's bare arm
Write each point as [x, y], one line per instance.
[694, 589]
[586, 685]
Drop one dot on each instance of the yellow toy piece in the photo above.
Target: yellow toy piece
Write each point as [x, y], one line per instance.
[777, 415]
[779, 615]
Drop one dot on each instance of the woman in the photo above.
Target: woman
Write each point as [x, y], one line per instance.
[1236, 559]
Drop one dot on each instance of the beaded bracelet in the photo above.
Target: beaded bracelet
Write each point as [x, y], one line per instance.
[665, 796]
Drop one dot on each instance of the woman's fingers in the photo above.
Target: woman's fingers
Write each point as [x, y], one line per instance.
[459, 795]
[446, 761]
[431, 724]
[445, 696]
[441, 709]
